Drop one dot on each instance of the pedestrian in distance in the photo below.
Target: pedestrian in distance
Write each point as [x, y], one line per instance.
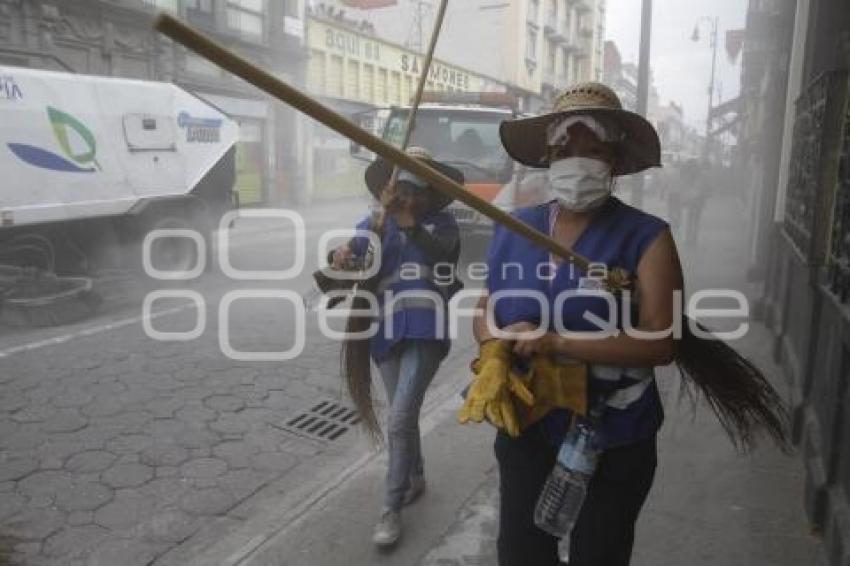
[695, 186]
[586, 142]
[417, 237]
[670, 180]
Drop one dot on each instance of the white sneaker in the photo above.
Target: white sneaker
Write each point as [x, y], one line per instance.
[388, 529]
[417, 486]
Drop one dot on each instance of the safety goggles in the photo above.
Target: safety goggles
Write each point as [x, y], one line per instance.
[408, 177]
[558, 133]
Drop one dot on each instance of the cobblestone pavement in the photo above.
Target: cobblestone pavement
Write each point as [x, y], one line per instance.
[114, 447]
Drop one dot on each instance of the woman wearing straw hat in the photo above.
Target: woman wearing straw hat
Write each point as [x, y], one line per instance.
[418, 241]
[586, 142]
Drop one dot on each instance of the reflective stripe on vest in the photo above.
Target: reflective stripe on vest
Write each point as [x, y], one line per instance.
[622, 398]
[404, 302]
[425, 274]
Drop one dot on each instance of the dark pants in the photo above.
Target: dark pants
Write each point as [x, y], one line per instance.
[604, 533]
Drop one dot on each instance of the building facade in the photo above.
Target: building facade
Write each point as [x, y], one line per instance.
[115, 38]
[351, 65]
[623, 82]
[536, 47]
[622, 77]
[804, 188]
[571, 44]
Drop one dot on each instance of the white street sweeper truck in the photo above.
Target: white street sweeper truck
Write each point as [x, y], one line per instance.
[89, 166]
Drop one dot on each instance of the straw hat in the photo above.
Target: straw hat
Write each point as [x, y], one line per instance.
[378, 174]
[638, 147]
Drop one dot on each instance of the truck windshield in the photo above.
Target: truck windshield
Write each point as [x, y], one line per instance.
[467, 140]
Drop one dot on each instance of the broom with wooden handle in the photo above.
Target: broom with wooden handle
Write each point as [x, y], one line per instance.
[738, 393]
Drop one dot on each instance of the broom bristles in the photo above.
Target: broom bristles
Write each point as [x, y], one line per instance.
[356, 368]
[739, 394]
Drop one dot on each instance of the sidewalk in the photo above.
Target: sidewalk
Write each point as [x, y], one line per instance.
[709, 506]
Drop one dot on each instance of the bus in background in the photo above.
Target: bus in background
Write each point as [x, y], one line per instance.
[460, 129]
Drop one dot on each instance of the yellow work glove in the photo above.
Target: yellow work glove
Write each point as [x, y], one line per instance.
[555, 385]
[494, 388]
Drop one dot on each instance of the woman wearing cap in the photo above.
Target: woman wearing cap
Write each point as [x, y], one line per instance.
[585, 143]
[417, 239]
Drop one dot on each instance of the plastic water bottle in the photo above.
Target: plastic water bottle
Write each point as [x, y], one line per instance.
[563, 494]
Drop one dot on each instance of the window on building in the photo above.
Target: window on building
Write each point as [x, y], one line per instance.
[381, 87]
[199, 5]
[408, 92]
[395, 88]
[167, 5]
[335, 76]
[552, 12]
[531, 45]
[290, 8]
[246, 16]
[533, 10]
[352, 80]
[565, 64]
[201, 66]
[316, 72]
[200, 12]
[551, 50]
[368, 83]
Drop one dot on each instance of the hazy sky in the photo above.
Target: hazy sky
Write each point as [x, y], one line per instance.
[681, 67]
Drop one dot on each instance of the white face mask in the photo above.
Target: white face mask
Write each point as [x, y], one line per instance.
[580, 183]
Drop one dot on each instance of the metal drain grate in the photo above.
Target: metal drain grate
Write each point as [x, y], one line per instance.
[326, 421]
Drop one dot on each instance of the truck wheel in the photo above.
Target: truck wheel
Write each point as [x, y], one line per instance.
[172, 254]
[43, 300]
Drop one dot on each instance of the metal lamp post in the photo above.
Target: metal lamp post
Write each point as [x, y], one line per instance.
[643, 85]
[713, 44]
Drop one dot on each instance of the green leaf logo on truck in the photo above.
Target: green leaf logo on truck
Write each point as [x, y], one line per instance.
[79, 161]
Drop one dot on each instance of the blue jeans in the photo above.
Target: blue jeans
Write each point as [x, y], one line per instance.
[406, 373]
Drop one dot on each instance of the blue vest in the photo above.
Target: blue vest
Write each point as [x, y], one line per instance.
[617, 236]
[404, 268]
